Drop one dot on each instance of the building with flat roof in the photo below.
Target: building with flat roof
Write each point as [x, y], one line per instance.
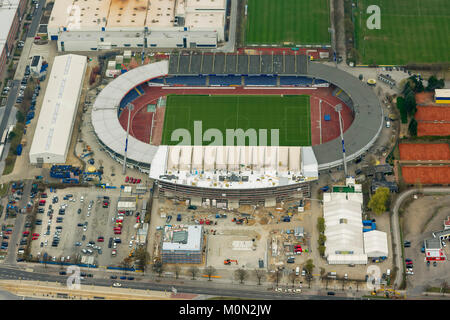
[105, 24]
[182, 244]
[57, 116]
[442, 96]
[433, 250]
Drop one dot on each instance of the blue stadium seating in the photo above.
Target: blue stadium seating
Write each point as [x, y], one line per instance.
[295, 81]
[157, 80]
[225, 80]
[320, 81]
[129, 97]
[260, 81]
[186, 80]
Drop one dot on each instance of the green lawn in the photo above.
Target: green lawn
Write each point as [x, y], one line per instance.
[297, 21]
[412, 31]
[289, 114]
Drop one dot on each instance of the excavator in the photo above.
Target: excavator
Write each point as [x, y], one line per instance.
[229, 261]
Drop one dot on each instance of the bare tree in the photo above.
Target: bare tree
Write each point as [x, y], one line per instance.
[444, 286]
[276, 276]
[193, 271]
[142, 257]
[176, 269]
[241, 275]
[292, 277]
[210, 271]
[260, 275]
[126, 264]
[158, 267]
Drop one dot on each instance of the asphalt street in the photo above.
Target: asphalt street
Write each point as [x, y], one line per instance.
[36, 19]
[10, 273]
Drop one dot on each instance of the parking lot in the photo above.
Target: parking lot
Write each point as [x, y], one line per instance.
[420, 218]
[82, 222]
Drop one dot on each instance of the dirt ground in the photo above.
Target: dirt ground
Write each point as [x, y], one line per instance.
[420, 218]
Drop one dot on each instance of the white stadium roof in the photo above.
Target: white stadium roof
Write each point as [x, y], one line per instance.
[54, 128]
[214, 166]
[104, 113]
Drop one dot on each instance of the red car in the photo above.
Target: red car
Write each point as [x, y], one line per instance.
[117, 232]
[138, 219]
[36, 234]
[26, 232]
[138, 181]
[100, 239]
[34, 238]
[127, 178]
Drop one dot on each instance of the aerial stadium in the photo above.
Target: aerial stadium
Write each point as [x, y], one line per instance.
[179, 113]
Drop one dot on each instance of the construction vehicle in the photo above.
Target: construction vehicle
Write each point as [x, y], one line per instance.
[229, 261]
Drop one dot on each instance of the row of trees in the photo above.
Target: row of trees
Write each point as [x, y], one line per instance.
[240, 274]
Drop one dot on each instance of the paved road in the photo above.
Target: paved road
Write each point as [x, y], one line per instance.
[396, 227]
[9, 273]
[9, 105]
[230, 45]
[36, 19]
[18, 226]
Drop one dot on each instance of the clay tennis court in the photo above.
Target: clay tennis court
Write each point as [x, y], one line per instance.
[433, 121]
[429, 113]
[426, 175]
[433, 129]
[423, 98]
[422, 151]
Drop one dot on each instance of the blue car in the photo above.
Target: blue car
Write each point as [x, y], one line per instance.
[123, 278]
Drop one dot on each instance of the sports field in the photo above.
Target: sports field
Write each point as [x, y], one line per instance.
[297, 21]
[412, 31]
[289, 114]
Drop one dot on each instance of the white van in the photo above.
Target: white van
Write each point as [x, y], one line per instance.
[388, 272]
[297, 271]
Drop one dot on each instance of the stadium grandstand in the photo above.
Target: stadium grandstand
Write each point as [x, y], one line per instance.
[206, 70]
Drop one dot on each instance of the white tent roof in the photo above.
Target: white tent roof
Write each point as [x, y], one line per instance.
[375, 243]
[54, 127]
[343, 227]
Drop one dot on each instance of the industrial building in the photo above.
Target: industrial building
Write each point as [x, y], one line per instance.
[346, 242]
[342, 210]
[182, 244]
[442, 96]
[11, 13]
[91, 25]
[58, 112]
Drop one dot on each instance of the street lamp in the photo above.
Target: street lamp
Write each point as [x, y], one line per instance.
[338, 109]
[130, 108]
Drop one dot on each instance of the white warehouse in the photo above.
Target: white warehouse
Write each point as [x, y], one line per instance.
[91, 25]
[58, 112]
[342, 210]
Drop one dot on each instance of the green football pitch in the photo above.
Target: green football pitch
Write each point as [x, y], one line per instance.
[297, 21]
[412, 31]
[289, 114]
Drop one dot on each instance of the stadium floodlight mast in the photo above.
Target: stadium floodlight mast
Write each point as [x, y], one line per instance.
[338, 109]
[130, 108]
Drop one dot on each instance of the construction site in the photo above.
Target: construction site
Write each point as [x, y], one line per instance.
[250, 237]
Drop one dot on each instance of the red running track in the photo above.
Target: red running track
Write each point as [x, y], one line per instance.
[141, 120]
